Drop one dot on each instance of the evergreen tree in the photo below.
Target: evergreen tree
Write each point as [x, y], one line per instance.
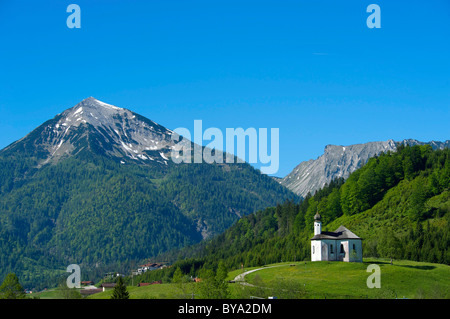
[120, 290]
[11, 288]
[177, 276]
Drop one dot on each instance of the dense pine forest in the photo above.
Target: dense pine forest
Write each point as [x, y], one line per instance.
[398, 203]
[101, 214]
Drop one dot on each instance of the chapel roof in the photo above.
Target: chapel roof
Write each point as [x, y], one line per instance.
[340, 233]
[317, 216]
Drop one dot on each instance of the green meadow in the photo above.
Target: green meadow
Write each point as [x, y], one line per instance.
[335, 280]
[312, 280]
[161, 291]
[402, 279]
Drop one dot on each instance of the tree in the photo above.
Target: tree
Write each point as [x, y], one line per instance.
[11, 288]
[207, 284]
[213, 284]
[419, 195]
[120, 290]
[221, 284]
[66, 292]
[180, 280]
[177, 276]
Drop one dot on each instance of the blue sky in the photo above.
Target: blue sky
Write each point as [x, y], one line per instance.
[313, 69]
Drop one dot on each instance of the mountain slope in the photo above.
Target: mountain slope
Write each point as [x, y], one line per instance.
[336, 161]
[95, 186]
[339, 162]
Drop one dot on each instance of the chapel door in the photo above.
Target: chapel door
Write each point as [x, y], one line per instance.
[324, 251]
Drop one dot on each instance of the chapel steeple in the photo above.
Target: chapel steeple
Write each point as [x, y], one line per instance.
[317, 224]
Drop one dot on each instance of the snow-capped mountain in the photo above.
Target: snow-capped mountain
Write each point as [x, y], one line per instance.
[99, 127]
[340, 161]
[94, 130]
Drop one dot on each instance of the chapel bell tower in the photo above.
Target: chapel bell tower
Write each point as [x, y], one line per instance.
[317, 224]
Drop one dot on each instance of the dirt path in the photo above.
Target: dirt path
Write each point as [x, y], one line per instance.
[241, 277]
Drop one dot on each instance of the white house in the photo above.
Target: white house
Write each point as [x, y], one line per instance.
[340, 245]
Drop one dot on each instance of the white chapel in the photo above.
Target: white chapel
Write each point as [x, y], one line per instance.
[340, 245]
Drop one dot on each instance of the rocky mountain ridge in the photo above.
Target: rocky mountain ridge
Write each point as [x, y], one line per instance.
[340, 161]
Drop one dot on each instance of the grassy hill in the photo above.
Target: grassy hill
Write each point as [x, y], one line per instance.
[402, 279]
[310, 280]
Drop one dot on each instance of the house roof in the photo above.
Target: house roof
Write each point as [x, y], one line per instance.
[90, 291]
[340, 233]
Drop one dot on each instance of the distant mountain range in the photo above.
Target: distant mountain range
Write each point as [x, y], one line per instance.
[340, 161]
[95, 186]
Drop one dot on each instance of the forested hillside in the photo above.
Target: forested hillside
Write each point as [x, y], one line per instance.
[398, 203]
[96, 212]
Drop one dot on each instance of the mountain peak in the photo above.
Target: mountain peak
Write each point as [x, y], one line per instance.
[93, 112]
[99, 127]
[93, 102]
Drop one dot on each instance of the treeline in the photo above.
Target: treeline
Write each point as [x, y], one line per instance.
[398, 202]
[428, 243]
[365, 187]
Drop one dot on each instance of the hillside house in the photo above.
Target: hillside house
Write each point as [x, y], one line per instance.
[150, 266]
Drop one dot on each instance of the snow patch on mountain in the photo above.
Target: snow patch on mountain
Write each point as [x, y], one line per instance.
[94, 124]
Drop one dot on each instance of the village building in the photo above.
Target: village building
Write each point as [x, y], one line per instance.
[142, 284]
[340, 245]
[90, 290]
[150, 266]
